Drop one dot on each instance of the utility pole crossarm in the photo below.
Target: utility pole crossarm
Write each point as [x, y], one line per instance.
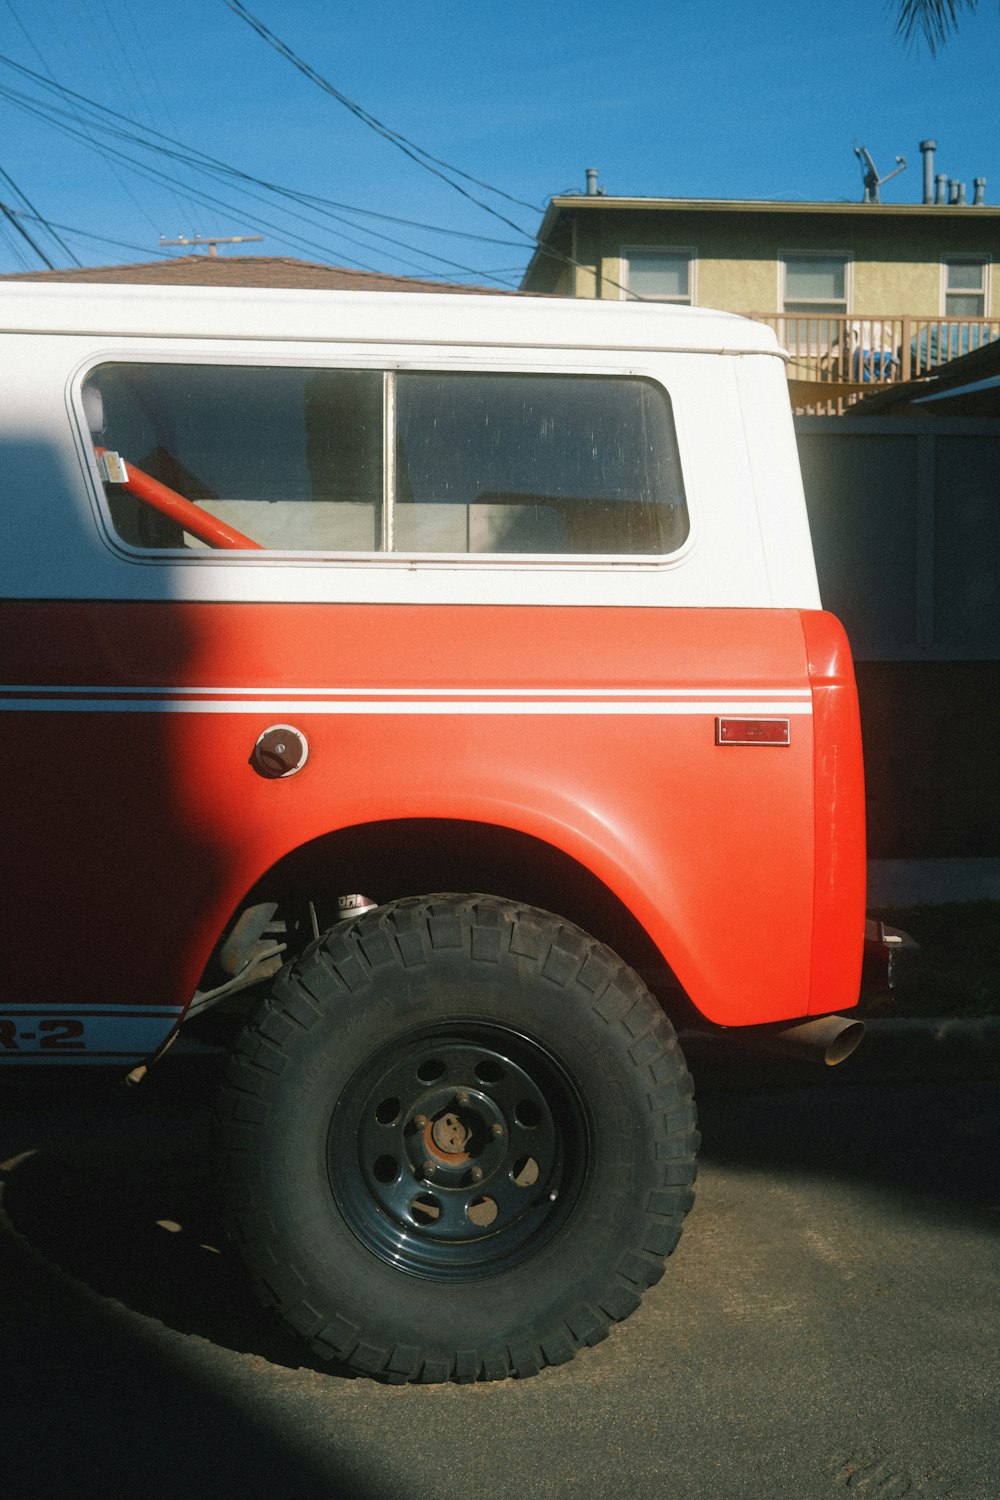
[215, 240]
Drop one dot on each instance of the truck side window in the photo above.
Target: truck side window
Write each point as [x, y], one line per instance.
[290, 457]
[535, 464]
[334, 461]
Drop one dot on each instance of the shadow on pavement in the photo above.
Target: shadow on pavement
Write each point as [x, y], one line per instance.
[116, 1187]
[96, 1405]
[111, 1259]
[916, 1110]
[133, 1357]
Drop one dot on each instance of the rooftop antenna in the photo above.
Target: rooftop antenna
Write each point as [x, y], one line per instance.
[234, 239]
[869, 173]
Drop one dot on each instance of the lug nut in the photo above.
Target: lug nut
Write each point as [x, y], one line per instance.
[496, 1128]
[421, 1122]
[476, 1174]
[461, 1097]
[429, 1168]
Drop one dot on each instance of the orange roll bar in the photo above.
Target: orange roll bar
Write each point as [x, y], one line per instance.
[206, 527]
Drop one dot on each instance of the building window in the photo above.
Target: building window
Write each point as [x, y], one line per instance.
[814, 282]
[659, 275]
[332, 460]
[964, 287]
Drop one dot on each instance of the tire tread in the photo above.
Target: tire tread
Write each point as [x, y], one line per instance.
[407, 934]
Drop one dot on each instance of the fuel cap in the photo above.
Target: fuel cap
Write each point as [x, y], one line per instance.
[279, 751]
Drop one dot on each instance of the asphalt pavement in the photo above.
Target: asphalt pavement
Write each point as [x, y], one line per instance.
[827, 1327]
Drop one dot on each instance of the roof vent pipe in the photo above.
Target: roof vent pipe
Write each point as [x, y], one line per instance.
[979, 197]
[952, 190]
[592, 182]
[928, 148]
[942, 188]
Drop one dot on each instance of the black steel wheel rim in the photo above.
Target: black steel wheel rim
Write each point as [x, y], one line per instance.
[458, 1151]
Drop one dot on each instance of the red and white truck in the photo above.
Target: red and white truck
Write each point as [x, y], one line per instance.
[438, 685]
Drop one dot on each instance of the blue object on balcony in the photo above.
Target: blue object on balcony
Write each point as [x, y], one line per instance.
[940, 342]
[872, 364]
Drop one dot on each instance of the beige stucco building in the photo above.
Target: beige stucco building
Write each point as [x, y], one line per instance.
[862, 259]
[859, 293]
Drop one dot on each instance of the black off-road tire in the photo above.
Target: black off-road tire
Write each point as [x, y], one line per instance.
[458, 1141]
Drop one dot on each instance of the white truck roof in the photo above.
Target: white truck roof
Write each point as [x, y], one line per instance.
[390, 317]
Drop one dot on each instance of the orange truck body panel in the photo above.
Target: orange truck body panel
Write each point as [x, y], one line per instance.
[593, 731]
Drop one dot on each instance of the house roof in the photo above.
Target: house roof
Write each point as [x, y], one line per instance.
[245, 271]
[562, 211]
[604, 203]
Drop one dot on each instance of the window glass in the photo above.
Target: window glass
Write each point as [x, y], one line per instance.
[964, 295]
[292, 460]
[815, 283]
[535, 463]
[663, 275]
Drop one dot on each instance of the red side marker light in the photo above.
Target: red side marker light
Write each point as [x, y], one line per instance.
[752, 731]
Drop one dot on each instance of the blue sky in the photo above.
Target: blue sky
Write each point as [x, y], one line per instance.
[715, 99]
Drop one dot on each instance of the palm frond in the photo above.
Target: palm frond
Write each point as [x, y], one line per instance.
[933, 20]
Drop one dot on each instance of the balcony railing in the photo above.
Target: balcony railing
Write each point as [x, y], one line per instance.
[850, 355]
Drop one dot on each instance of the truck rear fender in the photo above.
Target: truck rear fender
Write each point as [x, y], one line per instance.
[840, 872]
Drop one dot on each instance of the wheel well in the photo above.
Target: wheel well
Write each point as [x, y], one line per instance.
[411, 857]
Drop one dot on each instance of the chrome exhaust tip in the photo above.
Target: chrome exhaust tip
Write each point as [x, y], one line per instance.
[827, 1039]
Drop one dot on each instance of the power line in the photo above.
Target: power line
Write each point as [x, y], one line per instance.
[395, 136]
[31, 43]
[85, 234]
[93, 30]
[124, 53]
[13, 245]
[149, 139]
[81, 128]
[26, 33]
[409, 148]
[194, 157]
[8, 214]
[217, 203]
[418, 154]
[41, 219]
[79, 132]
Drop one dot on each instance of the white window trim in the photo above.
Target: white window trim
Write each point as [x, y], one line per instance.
[984, 260]
[690, 251]
[847, 256]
